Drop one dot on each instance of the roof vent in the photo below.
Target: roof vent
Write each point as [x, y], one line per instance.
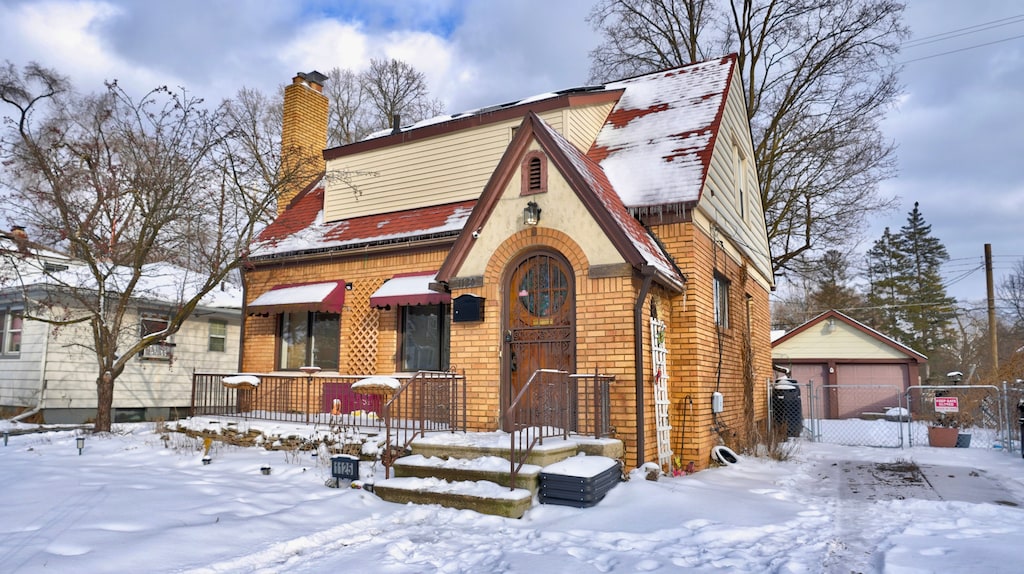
[396, 124]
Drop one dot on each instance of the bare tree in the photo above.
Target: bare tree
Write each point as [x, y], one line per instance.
[349, 114]
[394, 88]
[125, 184]
[1011, 295]
[818, 75]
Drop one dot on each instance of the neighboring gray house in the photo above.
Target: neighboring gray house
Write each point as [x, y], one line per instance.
[834, 350]
[50, 370]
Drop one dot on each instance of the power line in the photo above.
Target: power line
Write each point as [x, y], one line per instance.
[1009, 20]
[962, 49]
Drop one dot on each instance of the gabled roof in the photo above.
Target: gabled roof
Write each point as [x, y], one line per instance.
[591, 186]
[654, 150]
[668, 123]
[836, 315]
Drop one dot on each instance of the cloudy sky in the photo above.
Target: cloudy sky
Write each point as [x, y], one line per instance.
[959, 126]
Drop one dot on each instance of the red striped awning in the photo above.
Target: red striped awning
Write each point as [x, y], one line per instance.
[325, 297]
[408, 289]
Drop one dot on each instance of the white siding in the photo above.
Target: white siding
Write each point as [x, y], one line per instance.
[744, 230]
[20, 377]
[71, 369]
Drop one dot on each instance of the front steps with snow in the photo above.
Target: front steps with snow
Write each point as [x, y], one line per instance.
[471, 471]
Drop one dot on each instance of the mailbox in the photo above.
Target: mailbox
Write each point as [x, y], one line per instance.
[467, 308]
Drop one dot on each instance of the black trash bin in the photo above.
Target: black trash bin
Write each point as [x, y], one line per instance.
[786, 407]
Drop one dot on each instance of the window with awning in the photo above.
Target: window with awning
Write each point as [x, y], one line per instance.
[408, 289]
[323, 297]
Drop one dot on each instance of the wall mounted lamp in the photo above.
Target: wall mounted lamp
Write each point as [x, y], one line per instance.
[531, 213]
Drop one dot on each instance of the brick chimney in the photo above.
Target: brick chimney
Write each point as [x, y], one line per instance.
[303, 134]
[20, 238]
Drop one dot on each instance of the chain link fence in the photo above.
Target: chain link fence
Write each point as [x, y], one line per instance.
[974, 416]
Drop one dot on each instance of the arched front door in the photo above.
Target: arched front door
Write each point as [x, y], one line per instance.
[540, 319]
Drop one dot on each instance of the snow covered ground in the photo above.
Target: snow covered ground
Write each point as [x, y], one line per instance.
[133, 502]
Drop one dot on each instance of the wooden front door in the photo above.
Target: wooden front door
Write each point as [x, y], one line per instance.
[540, 319]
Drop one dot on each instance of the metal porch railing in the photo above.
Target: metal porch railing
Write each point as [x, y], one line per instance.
[430, 401]
[554, 403]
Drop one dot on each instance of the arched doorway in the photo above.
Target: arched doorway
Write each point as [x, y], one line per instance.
[539, 319]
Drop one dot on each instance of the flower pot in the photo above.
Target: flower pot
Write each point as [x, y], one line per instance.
[942, 436]
[963, 440]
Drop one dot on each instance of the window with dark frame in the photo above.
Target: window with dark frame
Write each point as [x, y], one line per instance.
[721, 297]
[424, 338]
[155, 322]
[309, 338]
[218, 339]
[11, 323]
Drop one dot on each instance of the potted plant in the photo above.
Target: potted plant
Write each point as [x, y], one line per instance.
[944, 431]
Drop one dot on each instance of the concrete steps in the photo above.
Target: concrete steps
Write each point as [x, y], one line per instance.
[472, 470]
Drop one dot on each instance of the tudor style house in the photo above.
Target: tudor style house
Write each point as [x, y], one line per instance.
[615, 229]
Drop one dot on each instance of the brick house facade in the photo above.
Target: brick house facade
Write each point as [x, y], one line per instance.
[592, 221]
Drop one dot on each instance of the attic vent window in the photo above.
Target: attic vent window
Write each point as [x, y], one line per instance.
[534, 173]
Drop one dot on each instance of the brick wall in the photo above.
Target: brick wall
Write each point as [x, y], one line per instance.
[368, 337]
[693, 341]
[303, 138]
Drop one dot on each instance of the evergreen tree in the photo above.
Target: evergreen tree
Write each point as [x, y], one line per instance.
[928, 309]
[907, 298]
[831, 284]
[885, 265]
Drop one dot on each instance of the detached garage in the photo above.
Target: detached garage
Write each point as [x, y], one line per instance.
[854, 370]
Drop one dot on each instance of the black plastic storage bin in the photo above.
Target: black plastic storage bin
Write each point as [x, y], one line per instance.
[786, 406]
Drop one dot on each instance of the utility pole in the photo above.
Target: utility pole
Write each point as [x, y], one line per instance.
[991, 308]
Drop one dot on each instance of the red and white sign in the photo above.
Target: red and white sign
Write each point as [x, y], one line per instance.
[947, 404]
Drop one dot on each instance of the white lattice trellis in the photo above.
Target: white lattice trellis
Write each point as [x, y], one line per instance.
[659, 362]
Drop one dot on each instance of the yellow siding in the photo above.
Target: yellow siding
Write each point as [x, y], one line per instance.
[838, 342]
[444, 169]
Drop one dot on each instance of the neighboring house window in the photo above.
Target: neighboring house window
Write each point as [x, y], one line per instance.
[155, 323]
[721, 294]
[11, 322]
[218, 335]
[424, 338]
[309, 338]
[535, 173]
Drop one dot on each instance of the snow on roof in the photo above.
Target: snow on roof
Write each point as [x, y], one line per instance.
[158, 282]
[603, 190]
[665, 122]
[653, 150]
[301, 228]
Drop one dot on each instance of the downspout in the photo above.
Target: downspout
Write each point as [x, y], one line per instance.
[647, 272]
[42, 381]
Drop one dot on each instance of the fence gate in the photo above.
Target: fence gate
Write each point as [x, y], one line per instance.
[978, 412]
[859, 415]
[853, 415]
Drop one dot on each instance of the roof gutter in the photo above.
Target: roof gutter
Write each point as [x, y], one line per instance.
[648, 272]
[351, 251]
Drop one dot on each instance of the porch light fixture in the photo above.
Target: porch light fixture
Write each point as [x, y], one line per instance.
[80, 443]
[531, 213]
